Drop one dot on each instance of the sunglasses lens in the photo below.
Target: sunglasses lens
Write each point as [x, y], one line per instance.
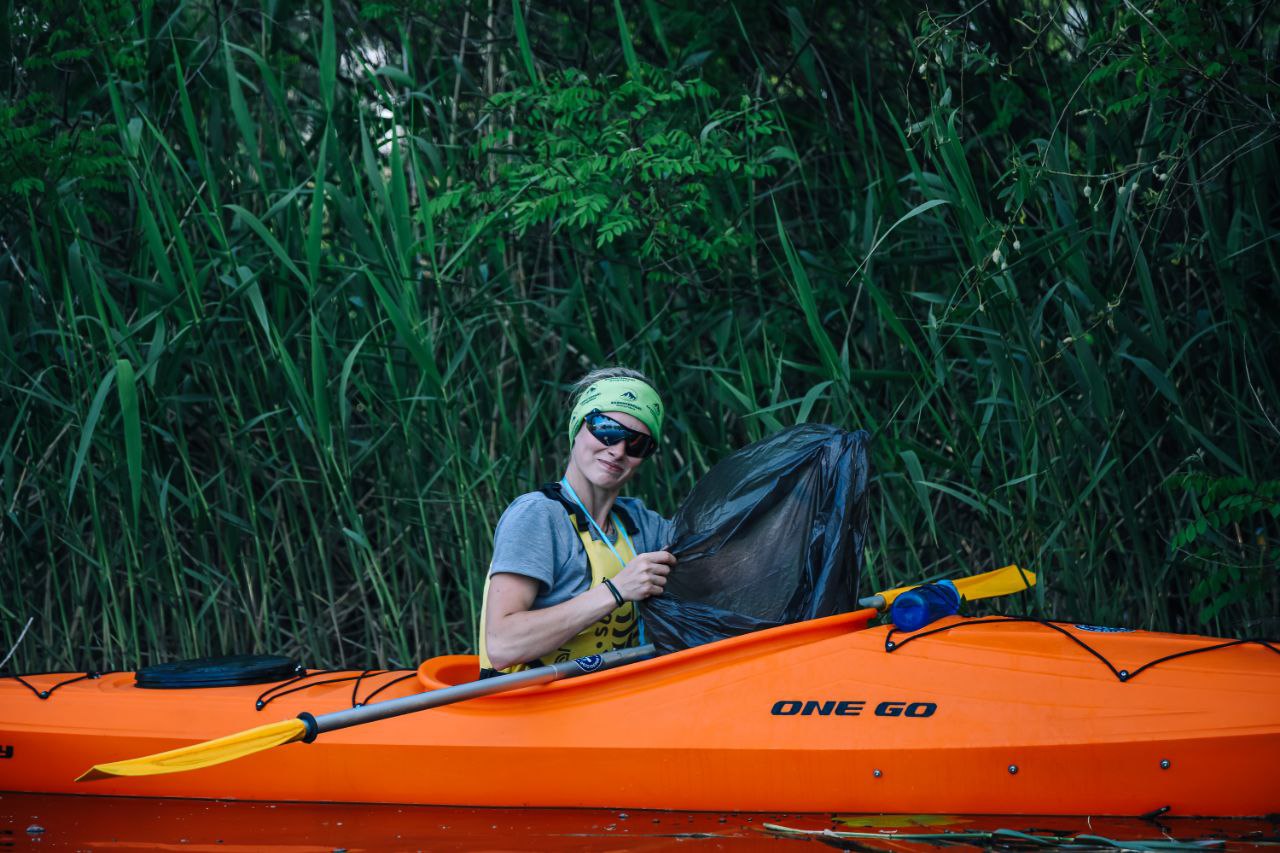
[609, 432]
[608, 436]
[641, 446]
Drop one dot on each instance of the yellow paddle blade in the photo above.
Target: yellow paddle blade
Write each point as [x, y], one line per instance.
[1004, 581]
[205, 754]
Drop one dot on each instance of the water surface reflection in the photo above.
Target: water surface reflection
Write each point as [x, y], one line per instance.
[44, 822]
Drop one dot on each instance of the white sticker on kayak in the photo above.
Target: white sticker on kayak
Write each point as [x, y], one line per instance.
[1103, 629]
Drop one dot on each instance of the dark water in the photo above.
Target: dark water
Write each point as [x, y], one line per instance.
[41, 822]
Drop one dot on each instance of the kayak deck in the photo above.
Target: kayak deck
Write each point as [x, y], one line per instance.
[983, 717]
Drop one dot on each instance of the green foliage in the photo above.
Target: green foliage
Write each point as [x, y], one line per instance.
[40, 153]
[63, 143]
[631, 166]
[1233, 543]
[1232, 503]
[290, 297]
[1157, 53]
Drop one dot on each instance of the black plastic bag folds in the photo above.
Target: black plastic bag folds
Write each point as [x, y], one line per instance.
[772, 534]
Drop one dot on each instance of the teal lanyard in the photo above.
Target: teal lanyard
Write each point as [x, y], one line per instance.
[564, 484]
[622, 532]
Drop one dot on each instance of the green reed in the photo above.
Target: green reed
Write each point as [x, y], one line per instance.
[271, 387]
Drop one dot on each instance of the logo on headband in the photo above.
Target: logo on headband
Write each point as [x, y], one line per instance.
[627, 395]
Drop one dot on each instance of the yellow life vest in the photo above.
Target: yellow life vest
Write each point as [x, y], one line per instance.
[618, 629]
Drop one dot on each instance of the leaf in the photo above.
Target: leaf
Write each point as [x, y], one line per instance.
[696, 59]
[652, 9]
[916, 473]
[357, 538]
[127, 390]
[316, 222]
[328, 58]
[86, 432]
[239, 109]
[710, 126]
[319, 385]
[254, 293]
[628, 49]
[781, 152]
[808, 304]
[522, 39]
[395, 75]
[910, 214]
[155, 242]
[1157, 377]
[408, 335]
[267, 237]
[344, 407]
[748, 407]
[811, 398]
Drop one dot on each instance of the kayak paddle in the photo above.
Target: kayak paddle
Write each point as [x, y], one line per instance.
[306, 727]
[1004, 581]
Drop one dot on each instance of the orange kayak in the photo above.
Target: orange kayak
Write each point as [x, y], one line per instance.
[968, 716]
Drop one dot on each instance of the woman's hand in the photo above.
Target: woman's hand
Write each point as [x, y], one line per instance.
[645, 575]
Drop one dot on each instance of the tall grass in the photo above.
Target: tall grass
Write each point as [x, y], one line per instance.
[260, 393]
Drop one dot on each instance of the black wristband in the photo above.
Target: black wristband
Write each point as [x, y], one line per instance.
[617, 596]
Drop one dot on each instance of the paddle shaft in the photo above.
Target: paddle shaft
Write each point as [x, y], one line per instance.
[473, 689]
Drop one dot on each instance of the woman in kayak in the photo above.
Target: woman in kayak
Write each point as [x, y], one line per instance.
[571, 560]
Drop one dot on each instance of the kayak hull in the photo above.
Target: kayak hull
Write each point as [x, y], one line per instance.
[985, 717]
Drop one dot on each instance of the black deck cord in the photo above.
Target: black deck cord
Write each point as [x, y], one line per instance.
[271, 694]
[1266, 644]
[355, 688]
[264, 699]
[45, 694]
[1123, 675]
[413, 673]
[274, 692]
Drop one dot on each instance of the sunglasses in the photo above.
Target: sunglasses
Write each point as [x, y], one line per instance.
[609, 432]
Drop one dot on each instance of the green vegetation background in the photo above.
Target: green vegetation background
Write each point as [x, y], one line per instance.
[291, 294]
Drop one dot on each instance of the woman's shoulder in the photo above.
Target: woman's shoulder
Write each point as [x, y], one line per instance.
[633, 506]
[535, 511]
[532, 522]
[532, 505]
[531, 539]
[650, 526]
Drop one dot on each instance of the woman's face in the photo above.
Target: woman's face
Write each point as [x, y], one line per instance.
[608, 467]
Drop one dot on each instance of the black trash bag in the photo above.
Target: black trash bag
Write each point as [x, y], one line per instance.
[772, 534]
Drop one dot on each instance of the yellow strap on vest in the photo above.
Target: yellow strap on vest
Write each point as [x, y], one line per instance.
[617, 630]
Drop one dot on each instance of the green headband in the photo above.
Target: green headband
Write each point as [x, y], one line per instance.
[620, 394]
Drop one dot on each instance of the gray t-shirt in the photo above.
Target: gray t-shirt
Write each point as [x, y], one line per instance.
[536, 538]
